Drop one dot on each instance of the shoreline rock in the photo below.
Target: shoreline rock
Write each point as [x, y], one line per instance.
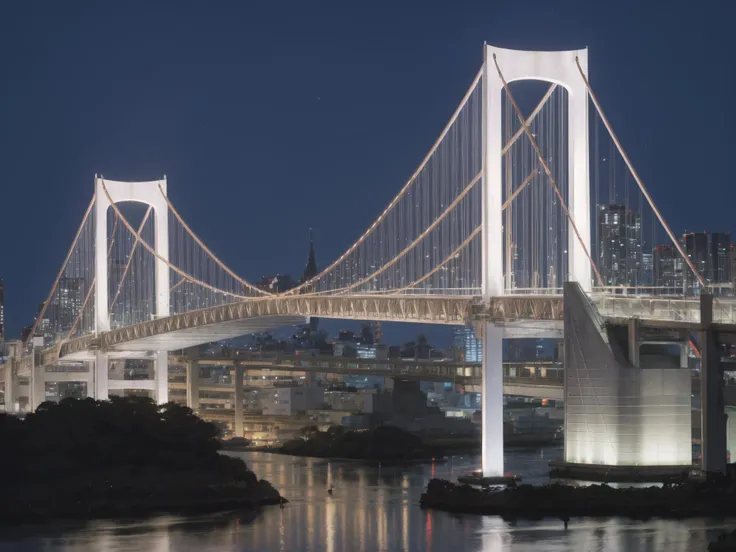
[367, 461]
[685, 500]
[90, 507]
[384, 444]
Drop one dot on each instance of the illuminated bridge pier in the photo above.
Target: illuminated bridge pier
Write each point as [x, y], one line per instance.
[628, 391]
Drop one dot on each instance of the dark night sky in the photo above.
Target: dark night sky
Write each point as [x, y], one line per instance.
[222, 97]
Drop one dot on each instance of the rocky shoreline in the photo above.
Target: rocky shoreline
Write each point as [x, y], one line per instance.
[101, 497]
[365, 461]
[384, 444]
[684, 500]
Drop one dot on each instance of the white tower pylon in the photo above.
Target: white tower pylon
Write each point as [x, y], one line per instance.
[516, 65]
[149, 194]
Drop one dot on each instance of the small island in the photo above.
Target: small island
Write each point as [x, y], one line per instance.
[710, 498]
[385, 444]
[122, 457]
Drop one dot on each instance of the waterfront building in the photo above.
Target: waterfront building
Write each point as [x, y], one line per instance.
[620, 247]
[467, 344]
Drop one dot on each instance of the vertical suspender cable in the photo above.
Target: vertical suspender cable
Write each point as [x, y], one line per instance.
[637, 178]
[546, 168]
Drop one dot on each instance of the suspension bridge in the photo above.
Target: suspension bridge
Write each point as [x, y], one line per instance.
[495, 219]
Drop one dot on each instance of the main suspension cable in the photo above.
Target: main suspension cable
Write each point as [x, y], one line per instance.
[419, 238]
[396, 199]
[206, 249]
[61, 272]
[529, 119]
[563, 204]
[130, 259]
[643, 189]
[93, 283]
[176, 269]
[451, 256]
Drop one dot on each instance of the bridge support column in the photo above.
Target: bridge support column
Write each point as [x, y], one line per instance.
[193, 384]
[684, 351]
[618, 414]
[38, 387]
[238, 373]
[492, 401]
[10, 383]
[101, 388]
[161, 373]
[713, 423]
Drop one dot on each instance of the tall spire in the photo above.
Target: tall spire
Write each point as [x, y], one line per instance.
[310, 271]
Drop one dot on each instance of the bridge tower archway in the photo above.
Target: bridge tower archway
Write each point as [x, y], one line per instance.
[149, 194]
[516, 65]
[554, 67]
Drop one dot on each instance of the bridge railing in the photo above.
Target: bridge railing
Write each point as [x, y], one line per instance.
[550, 372]
[676, 309]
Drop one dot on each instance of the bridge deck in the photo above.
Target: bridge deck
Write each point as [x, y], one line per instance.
[519, 315]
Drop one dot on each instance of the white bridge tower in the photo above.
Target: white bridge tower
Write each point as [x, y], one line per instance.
[111, 191]
[554, 67]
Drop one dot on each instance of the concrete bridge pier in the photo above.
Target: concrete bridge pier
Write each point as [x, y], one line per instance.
[192, 389]
[492, 399]
[101, 387]
[713, 425]
[161, 375]
[11, 382]
[238, 374]
[37, 386]
[626, 407]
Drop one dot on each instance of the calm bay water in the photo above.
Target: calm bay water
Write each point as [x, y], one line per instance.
[371, 509]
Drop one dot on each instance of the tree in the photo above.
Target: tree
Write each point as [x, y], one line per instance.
[308, 432]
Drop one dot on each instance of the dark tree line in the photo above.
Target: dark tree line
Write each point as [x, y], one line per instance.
[382, 443]
[125, 433]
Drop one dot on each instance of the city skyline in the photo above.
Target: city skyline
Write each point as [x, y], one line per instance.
[378, 270]
[211, 138]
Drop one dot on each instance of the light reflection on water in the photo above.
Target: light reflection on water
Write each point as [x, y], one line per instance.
[370, 509]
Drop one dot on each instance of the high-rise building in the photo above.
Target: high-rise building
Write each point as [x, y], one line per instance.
[2, 312]
[69, 300]
[468, 344]
[710, 254]
[647, 269]
[620, 251]
[668, 269]
[696, 248]
[720, 264]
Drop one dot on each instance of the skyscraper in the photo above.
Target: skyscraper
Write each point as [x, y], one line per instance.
[647, 269]
[710, 253]
[620, 251]
[720, 248]
[696, 248]
[470, 345]
[70, 298]
[668, 269]
[2, 311]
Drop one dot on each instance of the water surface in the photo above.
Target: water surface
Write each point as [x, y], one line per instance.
[371, 509]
